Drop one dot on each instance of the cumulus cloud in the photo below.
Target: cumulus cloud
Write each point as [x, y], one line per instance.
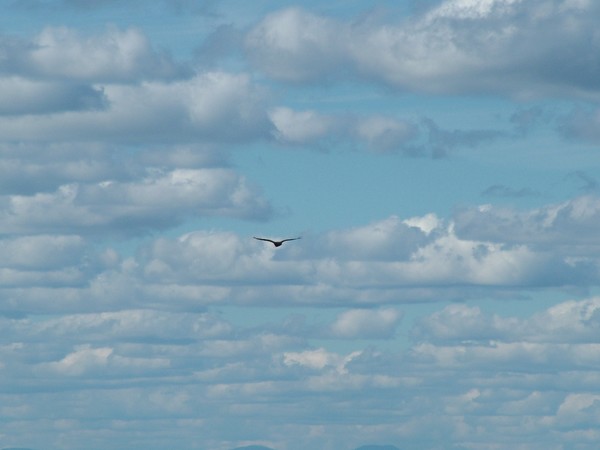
[152, 339]
[115, 55]
[359, 324]
[455, 46]
[388, 239]
[24, 96]
[213, 107]
[159, 200]
[295, 45]
[385, 262]
[570, 222]
[43, 251]
[376, 133]
[380, 263]
[300, 126]
[516, 372]
[571, 322]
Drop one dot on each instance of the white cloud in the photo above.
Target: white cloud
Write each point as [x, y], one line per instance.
[388, 239]
[160, 199]
[457, 46]
[386, 133]
[81, 360]
[116, 55]
[151, 341]
[296, 45]
[571, 222]
[297, 127]
[377, 133]
[210, 107]
[534, 389]
[388, 261]
[361, 324]
[569, 322]
[319, 359]
[43, 252]
[26, 96]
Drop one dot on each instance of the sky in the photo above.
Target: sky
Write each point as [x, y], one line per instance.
[439, 158]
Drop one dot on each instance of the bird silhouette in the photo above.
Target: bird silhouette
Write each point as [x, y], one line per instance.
[276, 243]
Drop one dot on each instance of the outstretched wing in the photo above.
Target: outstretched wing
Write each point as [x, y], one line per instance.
[264, 239]
[292, 239]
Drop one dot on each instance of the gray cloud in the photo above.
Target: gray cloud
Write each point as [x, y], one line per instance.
[155, 339]
[20, 96]
[581, 124]
[481, 252]
[376, 133]
[212, 107]
[499, 47]
[64, 53]
[572, 222]
[159, 200]
[500, 190]
[139, 368]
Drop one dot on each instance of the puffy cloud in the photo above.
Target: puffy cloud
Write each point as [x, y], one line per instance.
[317, 359]
[116, 55]
[300, 126]
[570, 322]
[377, 133]
[24, 96]
[384, 134]
[571, 223]
[296, 45]
[159, 200]
[42, 252]
[214, 106]
[456, 46]
[389, 261]
[357, 323]
[388, 239]
[521, 378]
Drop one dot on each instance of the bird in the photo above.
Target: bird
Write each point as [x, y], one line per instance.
[276, 243]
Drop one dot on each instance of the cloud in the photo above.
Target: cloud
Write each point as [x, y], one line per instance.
[159, 200]
[500, 190]
[581, 124]
[387, 262]
[567, 323]
[300, 126]
[20, 96]
[571, 222]
[61, 53]
[42, 252]
[494, 46]
[141, 367]
[295, 45]
[376, 133]
[391, 239]
[213, 107]
[116, 55]
[360, 324]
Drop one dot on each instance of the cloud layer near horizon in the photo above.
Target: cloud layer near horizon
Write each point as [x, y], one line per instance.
[163, 363]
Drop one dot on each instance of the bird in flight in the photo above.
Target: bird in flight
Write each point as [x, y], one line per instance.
[276, 243]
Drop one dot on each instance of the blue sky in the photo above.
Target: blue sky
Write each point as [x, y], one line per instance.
[439, 159]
